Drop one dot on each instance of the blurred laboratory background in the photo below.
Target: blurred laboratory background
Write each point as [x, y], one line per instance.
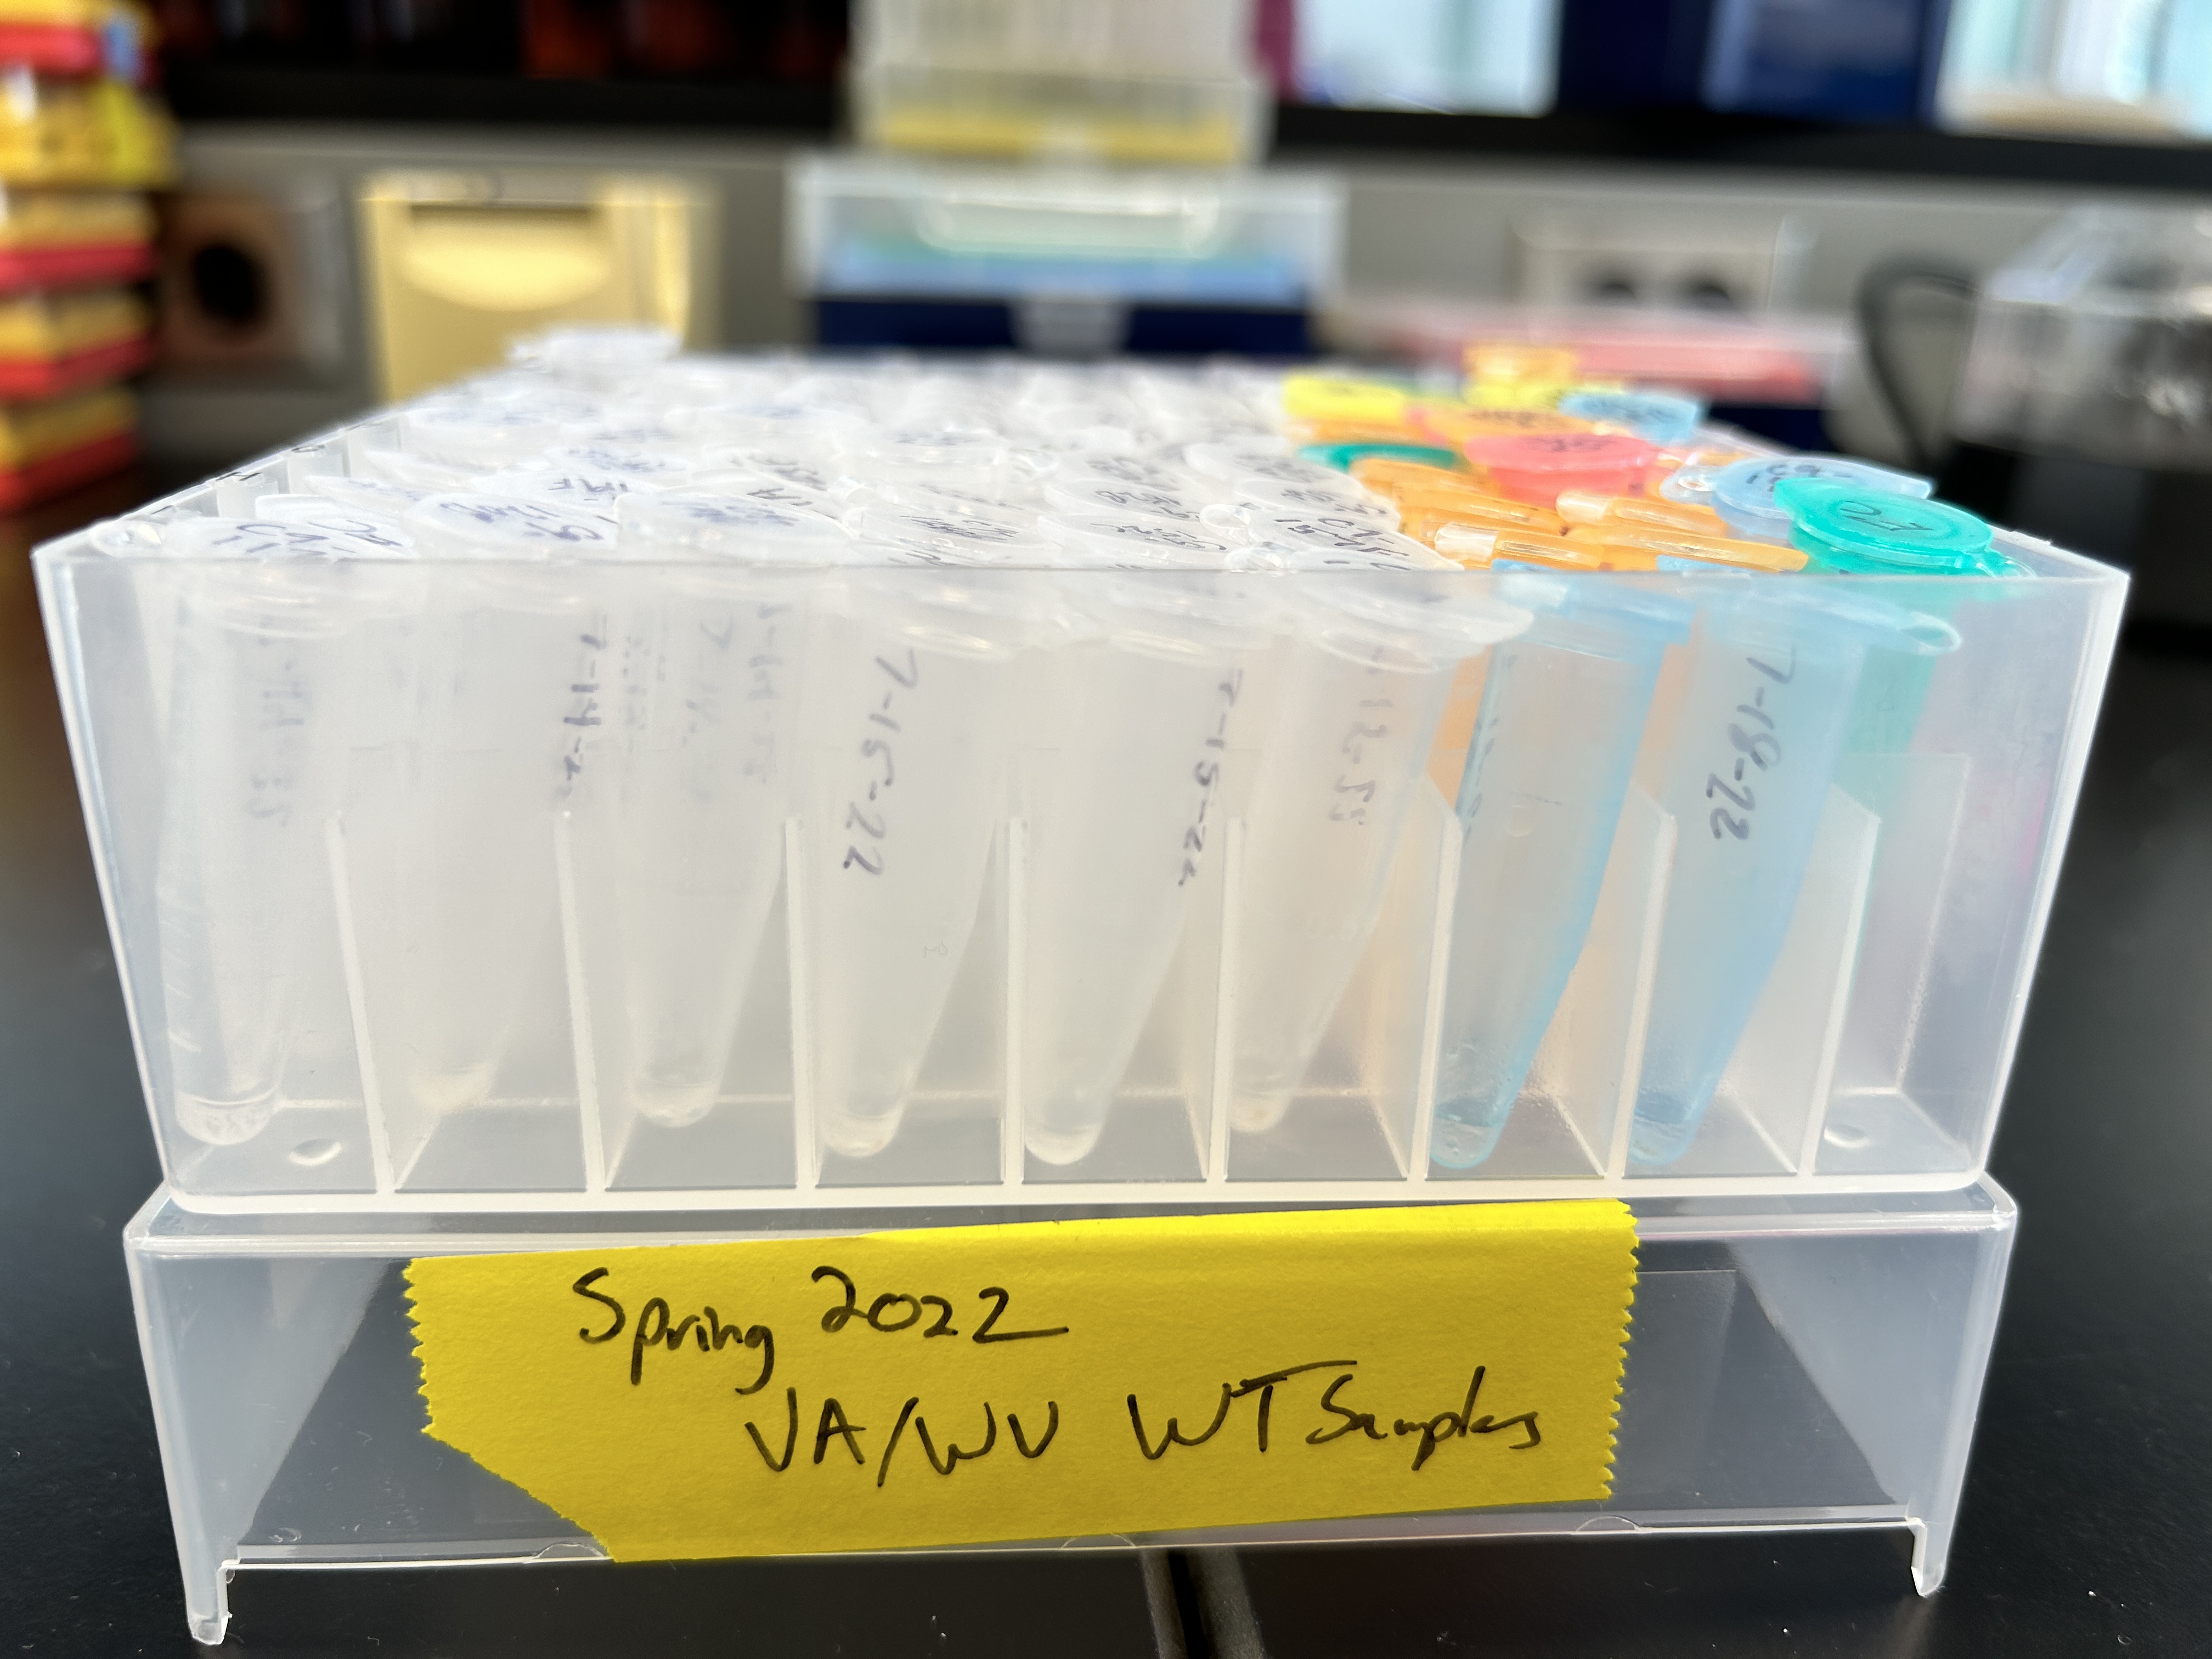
[1846, 221]
[1968, 235]
[1970, 238]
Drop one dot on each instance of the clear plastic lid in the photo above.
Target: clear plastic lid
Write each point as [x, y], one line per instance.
[479, 526]
[1092, 437]
[413, 472]
[1249, 458]
[782, 423]
[1346, 497]
[1743, 491]
[1336, 530]
[1832, 608]
[741, 484]
[1659, 618]
[630, 428]
[699, 382]
[681, 523]
[1133, 539]
[1150, 471]
[950, 539]
[651, 468]
[597, 354]
[1276, 558]
[1082, 492]
[909, 449]
[1421, 619]
[265, 539]
[529, 391]
[1691, 484]
[320, 513]
[585, 492]
[474, 435]
[947, 491]
[816, 475]
[363, 494]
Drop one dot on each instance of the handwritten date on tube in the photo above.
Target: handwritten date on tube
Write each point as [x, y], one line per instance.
[1038, 1380]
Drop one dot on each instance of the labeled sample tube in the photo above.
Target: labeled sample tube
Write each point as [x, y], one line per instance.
[1336, 531]
[1659, 417]
[1348, 500]
[1481, 549]
[1536, 467]
[1743, 492]
[1586, 507]
[1776, 666]
[908, 718]
[1844, 527]
[1429, 498]
[452, 856]
[257, 687]
[1121, 795]
[380, 530]
[1563, 711]
[1359, 686]
[692, 850]
[1683, 549]
[1083, 493]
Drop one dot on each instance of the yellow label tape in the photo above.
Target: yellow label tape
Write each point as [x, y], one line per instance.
[1039, 1380]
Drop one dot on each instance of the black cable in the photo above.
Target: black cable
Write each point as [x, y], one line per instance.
[1882, 282]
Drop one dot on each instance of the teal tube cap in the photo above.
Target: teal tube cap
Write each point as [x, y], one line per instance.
[1848, 528]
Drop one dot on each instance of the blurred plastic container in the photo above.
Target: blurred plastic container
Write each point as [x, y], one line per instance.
[47, 448]
[1082, 260]
[1789, 361]
[460, 265]
[75, 37]
[865, 225]
[2096, 341]
[50, 343]
[99, 133]
[1147, 82]
[59, 239]
[1488, 58]
[2112, 68]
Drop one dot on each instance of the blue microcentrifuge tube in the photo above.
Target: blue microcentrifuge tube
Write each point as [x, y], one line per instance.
[1562, 713]
[1775, 669]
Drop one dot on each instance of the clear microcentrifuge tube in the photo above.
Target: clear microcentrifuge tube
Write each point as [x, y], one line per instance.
[1480, 549]
[1357, 691]
[1775, 664]
[318, 512]
[909, 715]
[1562, 710]
[257, 689]
[1121, 795]
[1587, 508]
[453, 854]
[692, 851]
[1844, 527]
